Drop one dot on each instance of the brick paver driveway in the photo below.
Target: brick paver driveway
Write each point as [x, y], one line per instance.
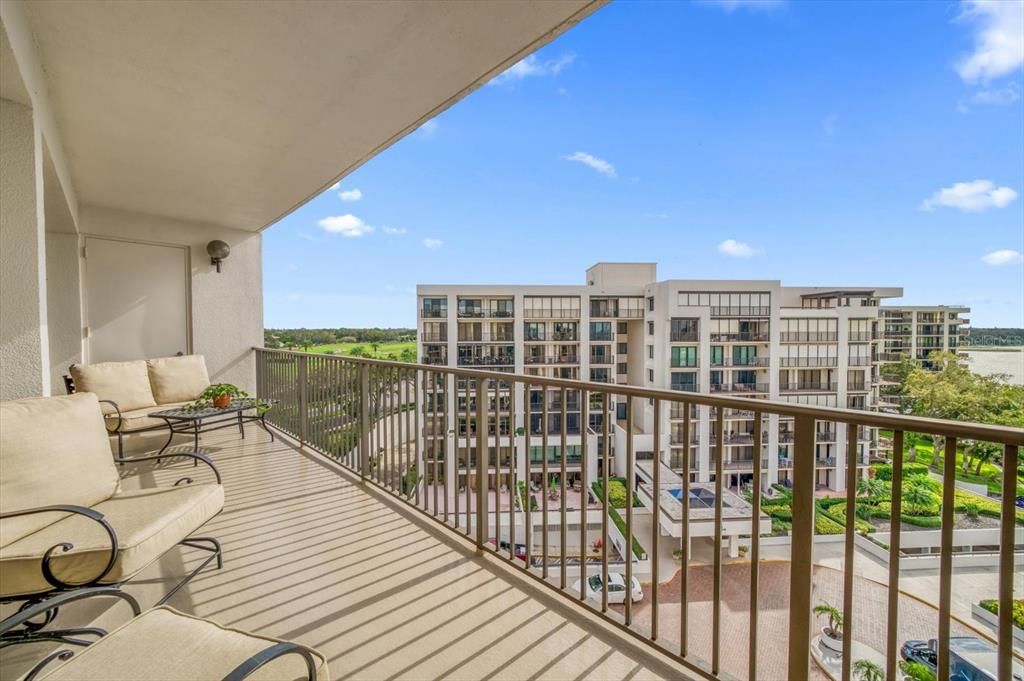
[917, 620]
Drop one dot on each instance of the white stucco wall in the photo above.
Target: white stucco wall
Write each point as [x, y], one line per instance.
[23, 370]
[227, 308]
[63, 306]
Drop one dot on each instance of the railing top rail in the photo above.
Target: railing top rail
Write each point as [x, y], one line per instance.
[959, 429]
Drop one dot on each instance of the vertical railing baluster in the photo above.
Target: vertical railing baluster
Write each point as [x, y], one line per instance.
[630, 481]
[584, 488]
[946, 555]
[544, 484]
[482, 463]
[497, 463]
[470, 431]
[605, 472]
[892, 644]
[655, 519]
[1008, 520]
[448, 452]
[755, 548]
[849, 552]
[716, 591]
[684, 539]
[527, 492]
[303, 390]
[364, 421]
[513, 486]
[801, 565]
[562, 490]
[458, 439]
[417, 401]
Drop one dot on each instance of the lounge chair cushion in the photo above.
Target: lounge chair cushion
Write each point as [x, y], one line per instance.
[178, 379]
[53, 450]
[126, 383]
[148, 523]
[137, 419]
[163, 643]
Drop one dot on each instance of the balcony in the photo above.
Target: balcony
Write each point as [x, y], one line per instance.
[808, 337]
[809, 386]
[602, 359]
[739, 387]
[430, 337]
[742, 311]
[740, 362]
[434, 313]
[741, 337]
[811, 362]
[684, 337]
[463, 505]
[486, 361]
[860, 361]
[555, 359]
[860, 336]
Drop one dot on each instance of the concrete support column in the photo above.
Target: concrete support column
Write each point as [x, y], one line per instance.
[24, 342]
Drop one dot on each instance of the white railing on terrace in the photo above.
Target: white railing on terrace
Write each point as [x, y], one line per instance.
[366, 415]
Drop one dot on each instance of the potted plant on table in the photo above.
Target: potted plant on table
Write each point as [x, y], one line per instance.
[218, 395]
[832, 633]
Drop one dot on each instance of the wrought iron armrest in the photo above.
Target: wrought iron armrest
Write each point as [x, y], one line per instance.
[275, 651]
[192, 455]
[120, 417]
[89, 513]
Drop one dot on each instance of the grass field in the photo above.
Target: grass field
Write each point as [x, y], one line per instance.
[383, 351]
[991, 475]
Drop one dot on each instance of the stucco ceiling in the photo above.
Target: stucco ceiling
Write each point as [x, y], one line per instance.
[236, 113]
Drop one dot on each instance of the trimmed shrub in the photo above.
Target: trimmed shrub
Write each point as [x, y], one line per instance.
[1018, 610]
[883, 471]
[825, 525]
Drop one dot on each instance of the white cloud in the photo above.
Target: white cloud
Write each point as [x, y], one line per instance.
[1003, 257]
[428, 129]
[347, 225]
[971, 197]
[350, 195]
[598, 164]
[532, 66]
[730, 6]
[1003, 95]
[998, 39]
[736, 249]
[393, 231]
[432, 243]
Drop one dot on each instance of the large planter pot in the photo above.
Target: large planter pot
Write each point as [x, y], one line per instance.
[829, 640]
[221, 401]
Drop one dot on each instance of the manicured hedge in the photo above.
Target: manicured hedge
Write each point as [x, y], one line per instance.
[638, 549]
[883, 471]
[825, 525]
[1018, 610]
[837, 512]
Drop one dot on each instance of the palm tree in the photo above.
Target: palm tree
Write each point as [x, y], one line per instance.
[866, 670]
[917, 495]
[834, 617]
[982, 453]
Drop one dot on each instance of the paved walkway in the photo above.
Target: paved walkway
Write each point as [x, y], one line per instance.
[917, 620]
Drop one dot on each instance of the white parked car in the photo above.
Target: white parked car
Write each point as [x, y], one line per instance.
[616, 588]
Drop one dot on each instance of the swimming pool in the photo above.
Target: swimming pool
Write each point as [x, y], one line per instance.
[699, 498]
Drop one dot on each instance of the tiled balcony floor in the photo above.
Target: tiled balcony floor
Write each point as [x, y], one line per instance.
[312, 555]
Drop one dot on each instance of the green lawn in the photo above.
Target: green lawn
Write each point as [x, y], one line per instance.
[991, 475]
[383, 351]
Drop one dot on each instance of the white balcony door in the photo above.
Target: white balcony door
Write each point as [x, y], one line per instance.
[136, 300]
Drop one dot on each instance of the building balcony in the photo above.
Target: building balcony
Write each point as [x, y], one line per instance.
[434, 314]
[741, 337]
[860, 361]
[860, 336]
[808, 337]
[434, 337]
[602, 359]
[485, 361]
[684, 337]
[740, 362]
[809, 386]
[740, 311]
[812, 362]
[560, 359]
[739, 387]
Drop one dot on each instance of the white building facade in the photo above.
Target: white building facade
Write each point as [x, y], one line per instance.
[756, 339]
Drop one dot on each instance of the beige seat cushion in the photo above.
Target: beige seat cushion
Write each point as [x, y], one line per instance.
[163, 643]
[148, 523]
[178, 379]
[126, 383]
[53, 450]
[137, 419]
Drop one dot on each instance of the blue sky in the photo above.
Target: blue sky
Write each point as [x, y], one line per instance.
[820, 143]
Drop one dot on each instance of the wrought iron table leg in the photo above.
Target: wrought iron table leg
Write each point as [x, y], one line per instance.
[241, 429]
[170, 436]
[263, 422]
[195, 430]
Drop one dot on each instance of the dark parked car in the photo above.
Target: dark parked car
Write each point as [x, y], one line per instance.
[919, 651]
[519, 551]
[1020, 501]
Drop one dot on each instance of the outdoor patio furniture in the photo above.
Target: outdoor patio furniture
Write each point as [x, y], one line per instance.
[193, 421]
[66, 526]
[130, 392]
[163, 643]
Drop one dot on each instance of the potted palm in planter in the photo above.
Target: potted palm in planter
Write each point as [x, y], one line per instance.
[832, 632]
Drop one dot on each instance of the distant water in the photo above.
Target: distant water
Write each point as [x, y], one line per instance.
[1009, 361]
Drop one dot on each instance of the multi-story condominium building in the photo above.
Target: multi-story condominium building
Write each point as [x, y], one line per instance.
[917, 332]
[758, 339]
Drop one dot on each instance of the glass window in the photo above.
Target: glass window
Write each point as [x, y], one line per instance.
[600, 331]
[684, 356]
[717, 355]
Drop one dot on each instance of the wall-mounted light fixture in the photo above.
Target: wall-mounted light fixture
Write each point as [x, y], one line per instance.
[218, 251]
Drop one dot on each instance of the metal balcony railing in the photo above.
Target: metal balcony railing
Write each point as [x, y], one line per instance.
[434, 337]
[809, 386]
[856, 336]
[684, 336]
[860, 361]
[434, 314]
[808, 336]
[602, 359]
[484, 360]
[740, 362]
[808, 362]
[560, 359]
[741, 337]
[742, 311]
[362, 414]
[739, 387]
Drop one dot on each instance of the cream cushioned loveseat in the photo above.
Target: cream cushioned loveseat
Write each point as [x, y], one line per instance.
[131, 391]
[54, 451]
